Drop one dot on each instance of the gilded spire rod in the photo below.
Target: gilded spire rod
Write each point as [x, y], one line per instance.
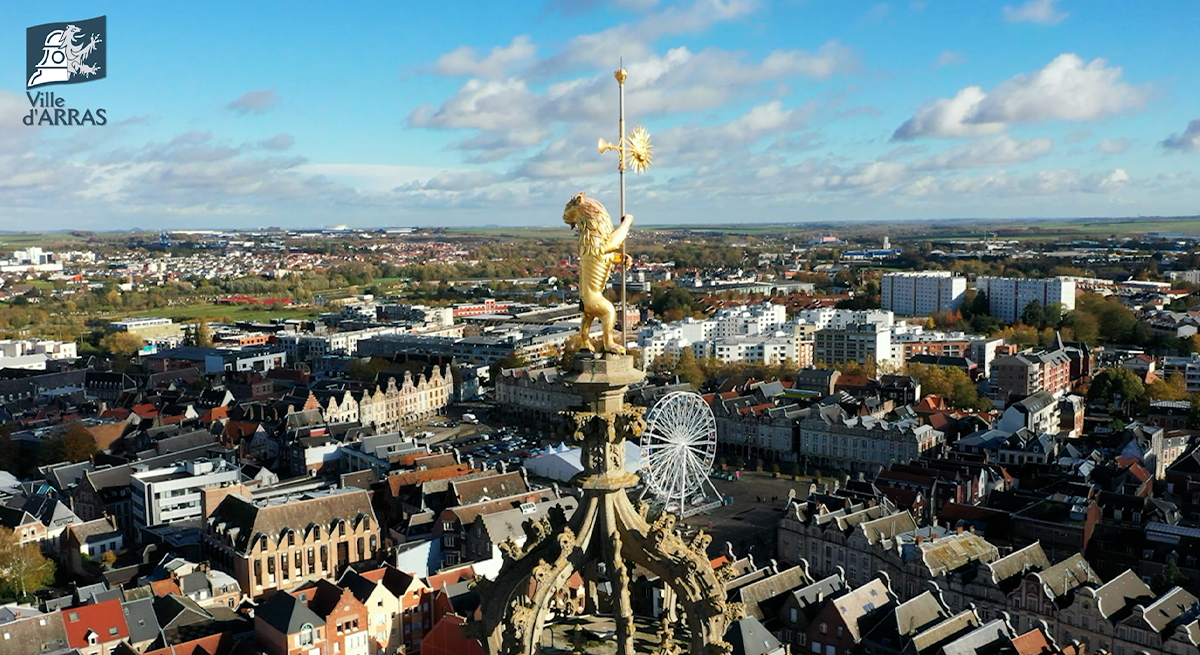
[633, 151]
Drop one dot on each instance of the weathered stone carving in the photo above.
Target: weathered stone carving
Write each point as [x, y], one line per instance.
[607, 528]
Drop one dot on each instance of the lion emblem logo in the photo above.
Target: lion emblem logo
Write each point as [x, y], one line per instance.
[65, 53]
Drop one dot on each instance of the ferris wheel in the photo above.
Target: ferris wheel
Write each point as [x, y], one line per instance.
[678, 447]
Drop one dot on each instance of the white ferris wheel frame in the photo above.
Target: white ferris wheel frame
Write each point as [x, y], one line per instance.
[678, 447]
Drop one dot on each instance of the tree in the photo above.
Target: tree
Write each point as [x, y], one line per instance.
[1116, 387]
[1054, 314]
[688, 370]
[108, 559]
[23, 569]
[203, 335]
[1172, 388]
[122, 344]
[1033, 315]
[980, 305]
[78, 444]
[952, 384]
[1169, 578]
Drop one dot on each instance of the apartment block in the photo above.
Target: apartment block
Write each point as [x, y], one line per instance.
[921, 293]
[1008, 297]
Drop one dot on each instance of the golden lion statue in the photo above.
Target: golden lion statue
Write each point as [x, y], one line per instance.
[599, 246]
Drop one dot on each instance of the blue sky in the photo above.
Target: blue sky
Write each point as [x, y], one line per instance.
[239, 115]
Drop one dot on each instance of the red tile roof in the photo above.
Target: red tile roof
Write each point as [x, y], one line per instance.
[106, 619]
[1032, 643]
[445, 578]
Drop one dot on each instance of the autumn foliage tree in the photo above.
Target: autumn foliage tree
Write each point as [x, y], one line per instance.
[23, 569]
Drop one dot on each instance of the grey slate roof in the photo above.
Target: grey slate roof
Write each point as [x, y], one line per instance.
[287, 614]
[1068, 575]
[1171, 606]
[1120, 594]
[509, 523]
[142, 622]
[1018, 563]
[987, 638]
[772, 588]
[749, 637]
[35, 635]
[819, 591]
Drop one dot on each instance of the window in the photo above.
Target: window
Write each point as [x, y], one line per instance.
[306, 635]
[841, 631]
[112, 631]
[291, 538]
[341, 528]
[823, 628]
[816, 647]
[262, 545]
[794, 615]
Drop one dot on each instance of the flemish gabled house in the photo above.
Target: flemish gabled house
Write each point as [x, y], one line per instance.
[839, 626]
[283, 625]
[346, 621]
[800, 608]
[384, 620]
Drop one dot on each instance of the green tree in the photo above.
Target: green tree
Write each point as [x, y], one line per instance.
[1054, 314]
[980, 305]
[1116, 387]
[1033, 315]
[1169, 578]
[23, 569]
[688, 369]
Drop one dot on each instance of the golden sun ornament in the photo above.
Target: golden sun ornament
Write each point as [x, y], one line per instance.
[640, 152]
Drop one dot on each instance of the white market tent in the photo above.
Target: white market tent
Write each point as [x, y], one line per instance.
[561, 464]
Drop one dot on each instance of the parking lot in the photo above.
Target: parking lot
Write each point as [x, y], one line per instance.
[748, 523]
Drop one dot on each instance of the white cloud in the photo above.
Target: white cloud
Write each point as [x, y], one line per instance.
[464, 61]
[1189, 141]
[1113, 146]
[1065, 89]
[633, 41]
[999, 151]
[949, 117]
[1035, 11]
[255, 102]
[948, 57]
[453, 181]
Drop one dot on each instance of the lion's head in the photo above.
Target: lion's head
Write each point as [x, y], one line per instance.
[591, 219]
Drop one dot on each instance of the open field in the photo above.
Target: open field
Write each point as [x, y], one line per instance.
[1032, 228]
[211, 312]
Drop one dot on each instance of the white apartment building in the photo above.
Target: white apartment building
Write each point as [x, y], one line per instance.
[306, 346]
[855, 342]
[1008, 297]
[921, 293]
[757, 333]
[756, 350]
[32, 354]
[838, 319]
[172, 493]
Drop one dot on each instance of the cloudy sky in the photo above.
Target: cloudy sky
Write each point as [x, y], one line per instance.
[240, 115]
